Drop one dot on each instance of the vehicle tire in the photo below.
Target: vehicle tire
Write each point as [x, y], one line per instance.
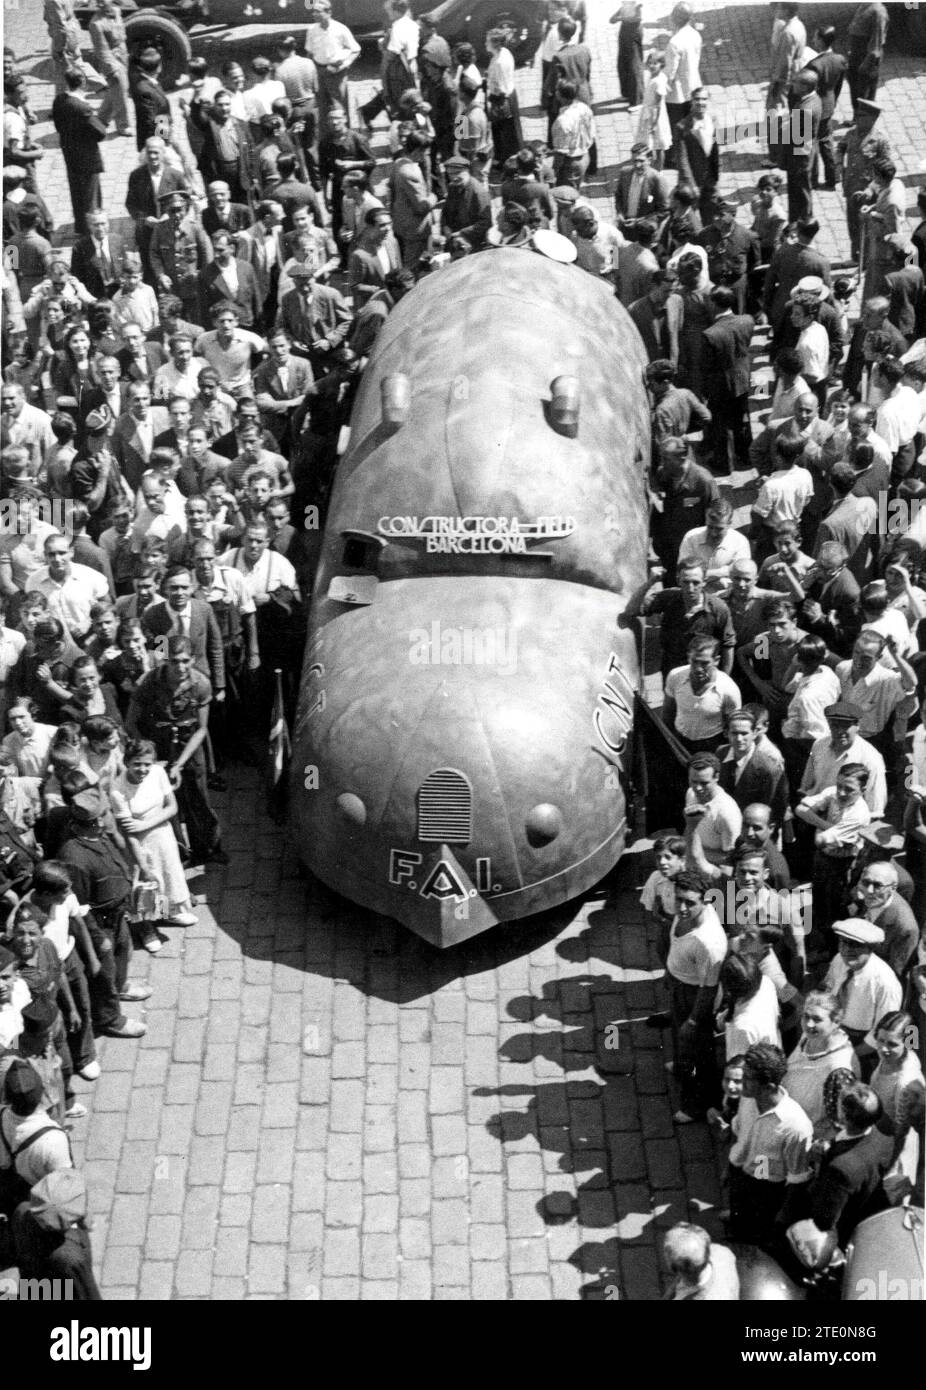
[523, 19]
[148, 29]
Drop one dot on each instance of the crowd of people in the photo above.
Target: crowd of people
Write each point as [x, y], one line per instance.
[173, 405]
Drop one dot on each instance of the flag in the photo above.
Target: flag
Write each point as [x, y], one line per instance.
[279, 755]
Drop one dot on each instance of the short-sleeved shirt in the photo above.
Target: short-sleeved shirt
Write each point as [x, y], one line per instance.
[72, 599]
[697, 546]
[755, 1021]
[44, 1156]
[823, 767]
[696, 958]
[658, 894]
[871, 993]
[710, 619]
[702, 715]
[719, 827]
[843, 822]
[811, 695]
[773, 1146]
[233, 363]
[159, 707]
[877, 695]
[784, 495]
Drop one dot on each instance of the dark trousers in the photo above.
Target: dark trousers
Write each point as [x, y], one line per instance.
[830, 884]
[861, 88]
[112, 942]
[630, 62]
[81, 1039]
[800, 194]
[729, 424]
[826, 151]
[695, 1063]
[754, 1208]
[85, 195]
[677, 111]
[202, 823]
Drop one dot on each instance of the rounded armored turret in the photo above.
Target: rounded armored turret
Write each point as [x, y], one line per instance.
[463, 735]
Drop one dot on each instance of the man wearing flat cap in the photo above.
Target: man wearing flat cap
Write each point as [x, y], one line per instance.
[840, 746]
[32, 1144]
[51, 1236]
[467, 210]
[864, 985]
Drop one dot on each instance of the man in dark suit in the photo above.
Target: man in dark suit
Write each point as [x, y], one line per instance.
[134, 433]
[727, 379]
[830, 68]
[641, 193]
[152, 109]
[228, 150]
[649, 314]
[96, 257]
[292, 193]
[905, 286]
[467, 210]
[732, 251]
[750, 773]
[790, 263]
[222, 214]
[79, 132]
[698, 153]
[138, 360]
[800, 148]
[375, 257]
[571, 63]
[188, 617]
[280, 385]
[847, 1186]
[145, 186]
[229, 280]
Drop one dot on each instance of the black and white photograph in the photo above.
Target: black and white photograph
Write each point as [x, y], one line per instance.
[463, 665]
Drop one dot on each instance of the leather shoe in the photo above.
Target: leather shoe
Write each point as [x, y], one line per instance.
[128, 1028]
[90, 1072]
[134, 994]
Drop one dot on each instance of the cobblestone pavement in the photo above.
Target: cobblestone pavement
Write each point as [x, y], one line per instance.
[323, 1106]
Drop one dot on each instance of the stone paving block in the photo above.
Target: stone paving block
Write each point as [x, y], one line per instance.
[489, 1280]
[448, 1134]
[340, 1254]
[121, 1266]
[344, 1204]
[144, 1119]
[189, 1037]
[136, 1166]
[239, 1172]
[270, 1220]
[200, 1217]
[341, 1290]
[213, 1108]
[151, 1068]
[380, 1173]
[451, 1267]
[415, 1280]
[533, 1287]
[488, 1242]
[235, 1210]
[105, 1136]
[308, 1182]
[194, 1273]
[206, 1158]
[231, 1252]
[169, 1186]
[450, 1222]
[415, 1196]
[276, 1155]
[414, 1066]
[156, 1280]
[162, 1239]
[128, 1219]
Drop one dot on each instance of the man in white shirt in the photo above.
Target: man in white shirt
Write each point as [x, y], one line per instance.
[259, 98]
[399, 66]
[710, 810]
[879, 693]
[715, 546]
[898, 419]
[683, 65]
[179, 376]
[71, 590]
[699, 698]
[333, 49]
[843, 745]
[597, 243]
[230, 350]
[865, 986]
[25, 424]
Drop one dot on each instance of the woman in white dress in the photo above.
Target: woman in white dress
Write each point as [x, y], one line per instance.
[144, 805]
[654, 127]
